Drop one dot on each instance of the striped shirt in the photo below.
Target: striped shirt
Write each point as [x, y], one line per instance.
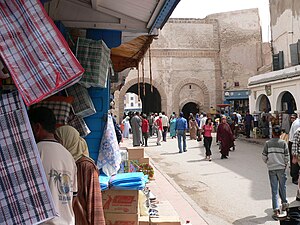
[276, 154]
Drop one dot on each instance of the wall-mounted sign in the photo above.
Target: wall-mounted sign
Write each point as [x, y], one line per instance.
[268, 90]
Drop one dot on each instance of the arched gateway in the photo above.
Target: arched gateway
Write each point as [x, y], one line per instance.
[150, 99]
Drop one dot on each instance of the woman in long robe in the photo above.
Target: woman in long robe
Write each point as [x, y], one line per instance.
[172, 127]
[225, 137]
[193, 128]
[88, 209]
[127, 127]
[136, 126]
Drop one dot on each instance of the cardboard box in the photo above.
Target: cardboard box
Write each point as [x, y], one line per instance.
[120, 201]
[165, 221]
[144, 160]
[135, 153]
[121, 219]
[144, 220]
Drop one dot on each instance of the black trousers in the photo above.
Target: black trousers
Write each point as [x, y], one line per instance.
[207, 145]
[247, 128]
[164, 133]
[294, 170]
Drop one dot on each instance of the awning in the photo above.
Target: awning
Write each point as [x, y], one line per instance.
[130, 53]
[236, 95]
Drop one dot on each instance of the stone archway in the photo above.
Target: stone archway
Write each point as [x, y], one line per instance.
[286, 102]
[134, 81]
[188, 107]
[199, 104]
[263, 103]
[177, 105]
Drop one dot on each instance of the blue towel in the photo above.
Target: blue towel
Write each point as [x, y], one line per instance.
[128, 181]
[104, 182]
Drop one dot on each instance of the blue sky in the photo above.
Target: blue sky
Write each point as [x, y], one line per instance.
[202, 8]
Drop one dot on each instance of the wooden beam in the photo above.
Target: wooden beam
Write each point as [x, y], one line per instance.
[100, 25]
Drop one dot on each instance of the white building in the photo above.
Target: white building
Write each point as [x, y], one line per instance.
[279, 91]
[132, 102]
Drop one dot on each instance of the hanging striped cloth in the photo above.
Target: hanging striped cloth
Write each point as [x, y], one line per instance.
[35, 52]
[25, 197]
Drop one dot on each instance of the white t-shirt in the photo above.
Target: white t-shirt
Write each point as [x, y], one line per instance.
[294, 127]
[61, 172]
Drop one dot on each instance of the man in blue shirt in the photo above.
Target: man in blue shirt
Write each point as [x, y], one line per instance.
[181, 127]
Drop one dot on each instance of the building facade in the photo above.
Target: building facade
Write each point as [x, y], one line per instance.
[194, 62]
[279, 91]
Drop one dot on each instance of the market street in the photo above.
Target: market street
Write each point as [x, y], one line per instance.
[228, 191]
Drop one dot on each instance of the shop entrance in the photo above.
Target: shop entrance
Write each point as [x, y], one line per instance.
[288, 103]
[151, 101]
[188, 108]
[263, 104]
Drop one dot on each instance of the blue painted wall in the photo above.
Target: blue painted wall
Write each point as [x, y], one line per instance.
[100, 96]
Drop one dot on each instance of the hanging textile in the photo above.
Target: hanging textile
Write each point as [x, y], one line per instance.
[109, 158]
[94, 56]
[25, 197]
[143, 72]
[82, 105]
[35, 52]
[150, 68]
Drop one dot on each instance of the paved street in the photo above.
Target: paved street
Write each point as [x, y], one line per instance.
[228, 191]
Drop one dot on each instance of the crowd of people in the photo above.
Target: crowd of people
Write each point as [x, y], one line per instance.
[199, 127]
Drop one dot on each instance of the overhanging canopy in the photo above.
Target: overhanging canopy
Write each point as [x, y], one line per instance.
[129, 54]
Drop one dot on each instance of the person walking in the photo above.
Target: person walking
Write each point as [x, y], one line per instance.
[294, 167]
[165, 124]
[207, 130]
[151, 121]
[276, 155]
[87, 205]
[136, 124]
[158, 123]
[145, 130]
[225, 137]
[172, 126]
[248, 122]
[296, 156]
[127, 127]
[193, 128]
[181, 128]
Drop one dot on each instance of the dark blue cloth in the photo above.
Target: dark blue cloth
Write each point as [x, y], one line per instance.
[181, 124]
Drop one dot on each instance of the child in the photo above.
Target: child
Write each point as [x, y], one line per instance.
[276, 156]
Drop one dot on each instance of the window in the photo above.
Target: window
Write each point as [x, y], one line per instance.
[139, 104]
[131, 98]
[131, 104]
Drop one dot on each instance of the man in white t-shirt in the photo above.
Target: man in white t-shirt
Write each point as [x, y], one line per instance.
[58, 163]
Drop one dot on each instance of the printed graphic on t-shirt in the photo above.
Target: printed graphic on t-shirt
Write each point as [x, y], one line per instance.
[63, 182]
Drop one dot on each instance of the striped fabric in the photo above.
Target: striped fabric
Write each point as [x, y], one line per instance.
[79, 124]
[39, 59]
[25, 197]
[60, 109]
[82, 105]
[94, 56]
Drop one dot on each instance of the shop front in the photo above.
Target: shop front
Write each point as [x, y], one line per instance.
[238, 100]
[277, 94]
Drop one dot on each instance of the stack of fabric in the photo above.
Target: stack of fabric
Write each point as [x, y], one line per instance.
[128, 181]
[104, 182]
